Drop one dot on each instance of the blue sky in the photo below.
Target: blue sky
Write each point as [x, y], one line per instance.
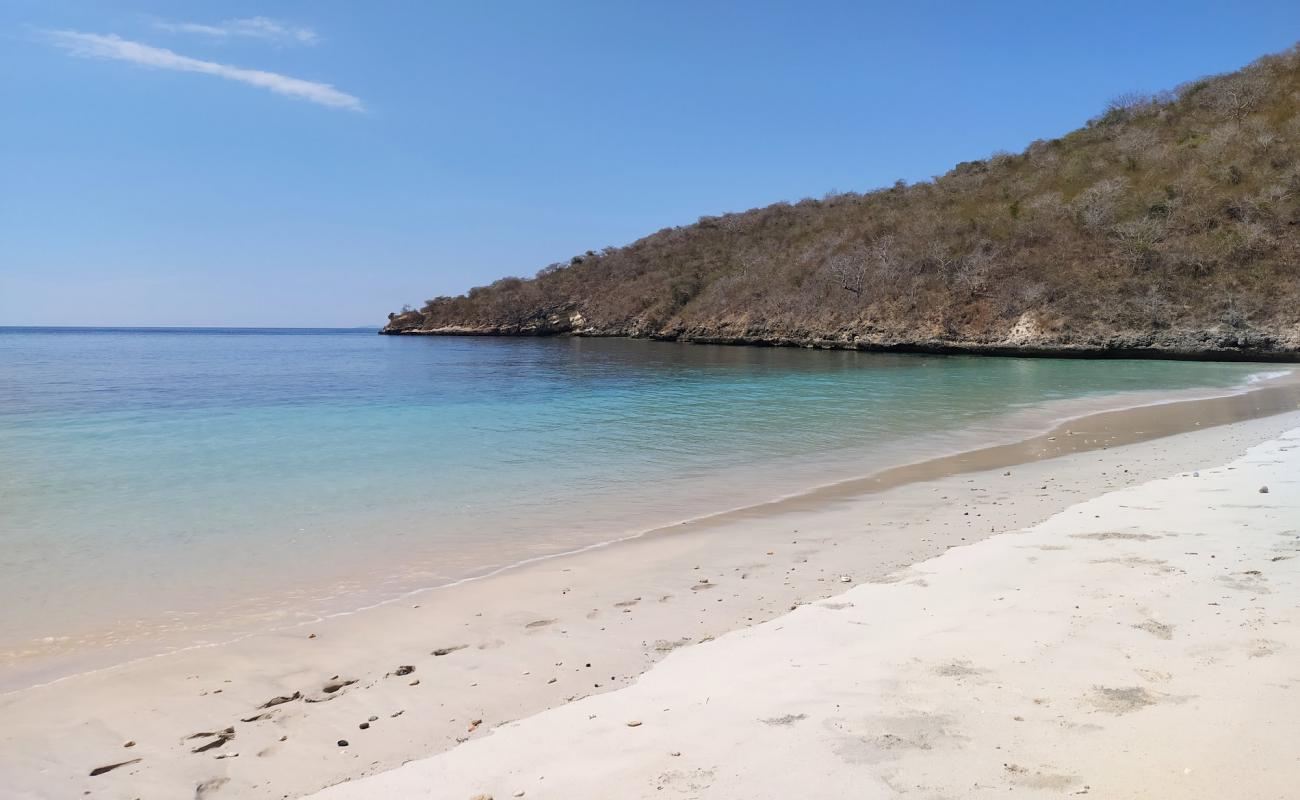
[322, 163]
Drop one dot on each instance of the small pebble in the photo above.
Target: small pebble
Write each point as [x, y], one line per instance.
[343, 742]
[634, 723]
[363, 726]
[1263, 490]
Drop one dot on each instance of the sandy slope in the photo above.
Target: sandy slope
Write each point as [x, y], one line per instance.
[557, 631]
[1140, 644]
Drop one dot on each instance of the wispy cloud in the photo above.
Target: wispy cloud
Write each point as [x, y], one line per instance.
[248, 27]
[94, 45]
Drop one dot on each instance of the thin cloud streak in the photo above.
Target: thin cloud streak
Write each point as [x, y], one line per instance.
[94, 45]
[249, 27]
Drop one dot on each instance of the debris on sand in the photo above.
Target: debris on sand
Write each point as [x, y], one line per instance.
[110, 767]
[275, 701]
[221, 737]
[205, 734]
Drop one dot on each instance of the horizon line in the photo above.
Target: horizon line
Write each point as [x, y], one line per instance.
[197, 327]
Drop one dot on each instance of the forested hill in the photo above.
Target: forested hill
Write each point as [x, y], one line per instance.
[1169, 225]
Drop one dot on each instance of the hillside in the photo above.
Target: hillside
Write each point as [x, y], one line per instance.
[1168, 226]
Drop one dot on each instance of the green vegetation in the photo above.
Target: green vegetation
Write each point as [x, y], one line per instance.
[1169, 222]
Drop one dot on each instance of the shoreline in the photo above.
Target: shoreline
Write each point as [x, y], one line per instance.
[1272, 392]
[625, 612]
[1227, 350]
[1135, 644]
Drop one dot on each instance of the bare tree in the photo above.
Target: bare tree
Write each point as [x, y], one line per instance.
[1095, 206]
[972, 269]
[939, 258]
[1235, 95]
[850, 270]
[884, 257]
[1128, 103]
[1138, 240]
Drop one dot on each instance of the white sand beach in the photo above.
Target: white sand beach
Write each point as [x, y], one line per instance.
[1098, 621]
[1138, 644]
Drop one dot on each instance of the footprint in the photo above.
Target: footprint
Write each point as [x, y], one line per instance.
[957, 668]
[1263, 647]
[665, 645]
[1249, 583]
[884, 739]
[686, 781]
[1122, 700]
[210, 786]
[1038, 779]
[1157, 629]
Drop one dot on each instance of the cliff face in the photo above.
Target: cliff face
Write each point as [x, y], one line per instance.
[1168, 226]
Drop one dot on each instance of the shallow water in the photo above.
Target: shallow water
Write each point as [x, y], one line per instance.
[180, 485]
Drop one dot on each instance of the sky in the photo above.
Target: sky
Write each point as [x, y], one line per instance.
[323, 162]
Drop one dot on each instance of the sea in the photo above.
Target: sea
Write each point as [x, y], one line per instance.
[165, 488]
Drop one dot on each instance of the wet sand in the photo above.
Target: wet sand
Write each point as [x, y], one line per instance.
[449, 665]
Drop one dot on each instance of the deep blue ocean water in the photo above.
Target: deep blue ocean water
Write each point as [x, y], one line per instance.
[154, 480]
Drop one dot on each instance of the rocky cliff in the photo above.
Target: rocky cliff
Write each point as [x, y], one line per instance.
[1168, 226]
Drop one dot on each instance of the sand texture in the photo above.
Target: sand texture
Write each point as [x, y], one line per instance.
[1139, 644]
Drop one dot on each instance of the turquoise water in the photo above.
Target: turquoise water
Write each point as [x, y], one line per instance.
[179, 484]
